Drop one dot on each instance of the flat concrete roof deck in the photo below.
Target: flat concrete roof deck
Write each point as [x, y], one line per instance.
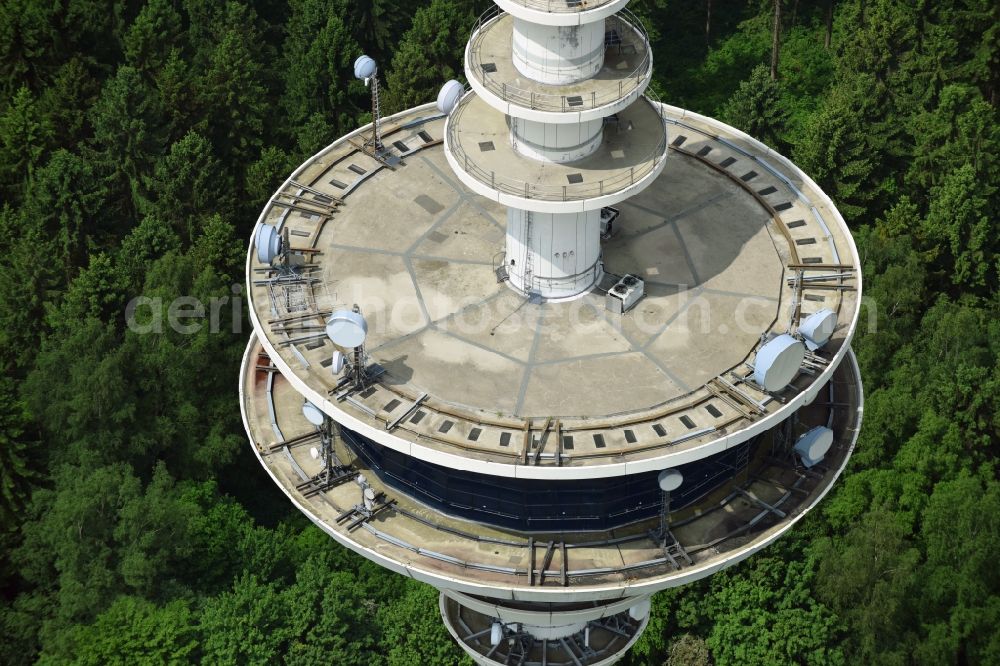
[627, 67]
[411, 538]
[415, 249]
[632, 147]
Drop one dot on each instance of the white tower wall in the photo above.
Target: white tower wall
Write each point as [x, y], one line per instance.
[556, 255]
[558, 55]
[551, 142]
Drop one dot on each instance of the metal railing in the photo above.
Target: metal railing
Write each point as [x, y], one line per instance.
[562, 6]
[631, 35]
[572, 192]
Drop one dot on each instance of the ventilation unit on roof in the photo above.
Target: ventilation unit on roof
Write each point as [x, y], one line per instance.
[624, 294]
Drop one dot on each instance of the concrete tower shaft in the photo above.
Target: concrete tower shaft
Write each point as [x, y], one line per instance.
[552, 248]
[558, 55]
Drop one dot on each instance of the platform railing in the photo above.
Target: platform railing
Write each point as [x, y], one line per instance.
[573, 192]
[562, 6]
[631, 34]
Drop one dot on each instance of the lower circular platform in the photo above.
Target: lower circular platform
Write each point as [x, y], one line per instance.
[491, 642]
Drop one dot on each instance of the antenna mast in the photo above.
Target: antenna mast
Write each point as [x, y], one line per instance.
[375, 141]
[366, 69]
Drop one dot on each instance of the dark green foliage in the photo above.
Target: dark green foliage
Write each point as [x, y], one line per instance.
[320, 88]
[138, 142]
[756, 108]
[430, 53]
[150, 39]
[24, 136]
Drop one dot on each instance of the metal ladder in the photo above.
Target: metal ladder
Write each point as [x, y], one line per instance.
[528, 266]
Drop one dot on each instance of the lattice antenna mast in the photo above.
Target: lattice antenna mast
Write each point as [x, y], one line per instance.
[376, 137]
[348, 330]
[365, 69]
[668, 480]
[328, 452]
[358, 366]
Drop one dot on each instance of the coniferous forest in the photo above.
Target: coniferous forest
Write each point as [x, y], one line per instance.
[139, 140]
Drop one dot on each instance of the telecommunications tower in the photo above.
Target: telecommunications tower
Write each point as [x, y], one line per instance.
[551, 345]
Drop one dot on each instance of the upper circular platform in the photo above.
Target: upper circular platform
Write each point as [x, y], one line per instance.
[469, 370]
[561, 12]
[478, 148]
[489, 66]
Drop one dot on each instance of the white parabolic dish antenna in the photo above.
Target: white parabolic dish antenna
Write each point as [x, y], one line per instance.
[496, 633]
[449, 95]
[777, 362]
[813, 446]
[268, 243]
[670, 479]
[818, 327]
[364, 68]
[347, 329]
[312, 414]
[338, 362]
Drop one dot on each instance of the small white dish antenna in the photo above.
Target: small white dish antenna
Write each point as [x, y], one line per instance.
[640, 610]
[496, 633]
[369, 497]
[314, 453]
[268, 243]
[670, 479]
[778, 362]
[313, 414]
[361, 480]
[817, 328]
[813, 446]
[449, 95]
[364, 68]
[338, 362]
[347, 329]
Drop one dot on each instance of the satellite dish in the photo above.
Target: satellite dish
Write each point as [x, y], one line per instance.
[314, 452]
[777, 362]
[369, 498]
[817, 328]
[640, 610]
[338, 362]
[364, 68]
[361, 480]
[496, 633]
[347, 329]
[369, 494]
[670, 479]
[451, 92]
[313, 414]
[268, 243]
[813, 446]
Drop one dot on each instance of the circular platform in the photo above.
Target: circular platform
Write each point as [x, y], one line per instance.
[479, 150]
[562, 12]
[594, 569]
[628, 67]
[468, 373]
